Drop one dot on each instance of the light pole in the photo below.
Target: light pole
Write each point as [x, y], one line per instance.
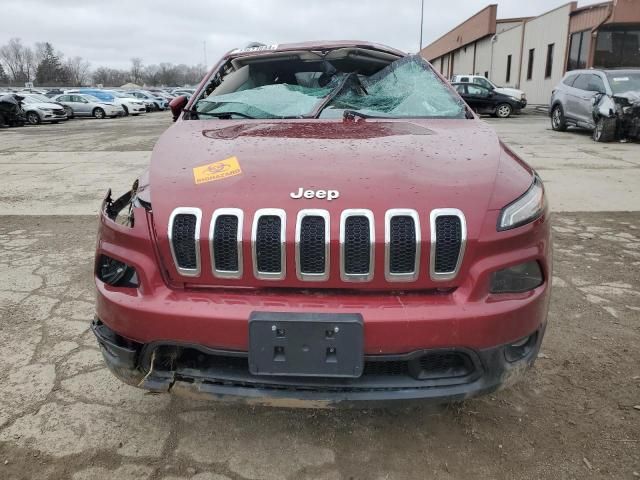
[421, 22]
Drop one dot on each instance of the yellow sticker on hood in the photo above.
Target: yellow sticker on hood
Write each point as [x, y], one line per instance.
[228, 167]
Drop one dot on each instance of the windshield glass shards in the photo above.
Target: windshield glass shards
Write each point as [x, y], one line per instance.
[269, 101]
[405, 88]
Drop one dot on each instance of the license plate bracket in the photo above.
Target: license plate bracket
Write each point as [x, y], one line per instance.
[306, 344]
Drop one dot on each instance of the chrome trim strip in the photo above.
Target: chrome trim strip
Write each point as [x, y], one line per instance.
[186, 272]
[443, 212]
[313, 277]
[358, 277]
[400, 277]
[239, 214]
[283, 257]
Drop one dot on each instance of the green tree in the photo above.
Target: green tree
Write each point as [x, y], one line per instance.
[50, 70]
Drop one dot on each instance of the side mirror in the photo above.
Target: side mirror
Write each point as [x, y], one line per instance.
[177, 106]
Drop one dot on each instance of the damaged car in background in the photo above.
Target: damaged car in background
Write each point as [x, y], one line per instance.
[604, 101]
[325, 224]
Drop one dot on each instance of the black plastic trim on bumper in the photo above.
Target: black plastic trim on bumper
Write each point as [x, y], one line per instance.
[129, 360]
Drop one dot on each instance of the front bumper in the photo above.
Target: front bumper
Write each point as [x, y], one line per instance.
[198, 371]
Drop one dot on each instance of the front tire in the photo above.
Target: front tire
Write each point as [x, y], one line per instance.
[126, 110]
[504, 110]
[558, 122]
[99, 113]
[69, 112]
[33, 118]
[605, 130]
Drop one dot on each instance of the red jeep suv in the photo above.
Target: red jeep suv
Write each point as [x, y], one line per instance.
[325, 224]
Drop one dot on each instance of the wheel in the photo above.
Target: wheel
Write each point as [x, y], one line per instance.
[69, 112]
[605, 130]
[33, 118]
[98, 113]
[126, 110]
[156, 107]
[55, 122]
[504, 110]
[558, 122]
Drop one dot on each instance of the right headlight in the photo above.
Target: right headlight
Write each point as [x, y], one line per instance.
[525, 209]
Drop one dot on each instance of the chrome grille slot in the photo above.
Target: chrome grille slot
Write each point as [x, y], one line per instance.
[402, 245]
[184, 239]
[357, 245]
[225, 237]
[448, 240]
[312, 245]
[268, 244]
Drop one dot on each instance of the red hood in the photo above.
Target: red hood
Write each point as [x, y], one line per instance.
[374, 164]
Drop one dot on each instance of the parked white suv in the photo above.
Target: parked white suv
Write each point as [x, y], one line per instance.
[518, 95]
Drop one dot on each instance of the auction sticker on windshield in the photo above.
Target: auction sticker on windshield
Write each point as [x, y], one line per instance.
[228, 167]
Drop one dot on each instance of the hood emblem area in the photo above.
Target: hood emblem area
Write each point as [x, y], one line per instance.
[320, 194]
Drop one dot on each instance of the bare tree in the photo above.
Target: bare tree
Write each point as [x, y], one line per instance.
[136, 70]
[19, 60]
[77, 70]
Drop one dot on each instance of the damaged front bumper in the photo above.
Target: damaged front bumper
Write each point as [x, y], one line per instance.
[425, 376]
[625, 111]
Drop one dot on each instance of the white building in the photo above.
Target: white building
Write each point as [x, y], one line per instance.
[533, 53]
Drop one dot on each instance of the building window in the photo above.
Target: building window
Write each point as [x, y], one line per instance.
[530, 64]
[549, 66]
[508, 77]
[578, 50]
[617, 47]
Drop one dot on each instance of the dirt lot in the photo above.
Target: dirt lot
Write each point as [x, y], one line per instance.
[63, 416]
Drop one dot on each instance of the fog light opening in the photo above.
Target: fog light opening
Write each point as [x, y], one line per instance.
[517, 279]
[116, 273]
[521, 348]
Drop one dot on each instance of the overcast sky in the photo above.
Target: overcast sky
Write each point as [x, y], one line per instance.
[111, 32]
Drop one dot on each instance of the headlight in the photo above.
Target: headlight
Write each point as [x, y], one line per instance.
[517, 279]
[525, 209]
[523, 96]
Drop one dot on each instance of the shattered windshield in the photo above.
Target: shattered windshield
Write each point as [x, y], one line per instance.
[268, 101]
[623, 82]
[405, 88]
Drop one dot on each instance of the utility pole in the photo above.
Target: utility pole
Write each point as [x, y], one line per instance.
[421, 22]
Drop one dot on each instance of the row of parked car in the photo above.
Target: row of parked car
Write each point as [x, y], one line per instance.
[36, 106]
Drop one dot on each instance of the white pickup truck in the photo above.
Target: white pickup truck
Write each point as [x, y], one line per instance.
[516, 94]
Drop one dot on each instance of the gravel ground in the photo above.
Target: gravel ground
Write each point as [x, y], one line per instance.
[62, 415]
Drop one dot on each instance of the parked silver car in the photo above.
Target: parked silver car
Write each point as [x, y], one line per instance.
[38, 108]
[81, 105]
[604, 101]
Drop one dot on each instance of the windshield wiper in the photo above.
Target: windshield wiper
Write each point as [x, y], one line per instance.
[225, 114]
[352, 114]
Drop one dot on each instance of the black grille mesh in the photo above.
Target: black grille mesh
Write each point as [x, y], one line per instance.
[225, 243]
[183, 234]
[357, 237]
[312, 245]
[268, 244]
[444, 364]
[402, 244]
[448, 242]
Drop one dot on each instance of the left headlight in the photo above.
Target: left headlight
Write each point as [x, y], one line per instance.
[525, 209]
